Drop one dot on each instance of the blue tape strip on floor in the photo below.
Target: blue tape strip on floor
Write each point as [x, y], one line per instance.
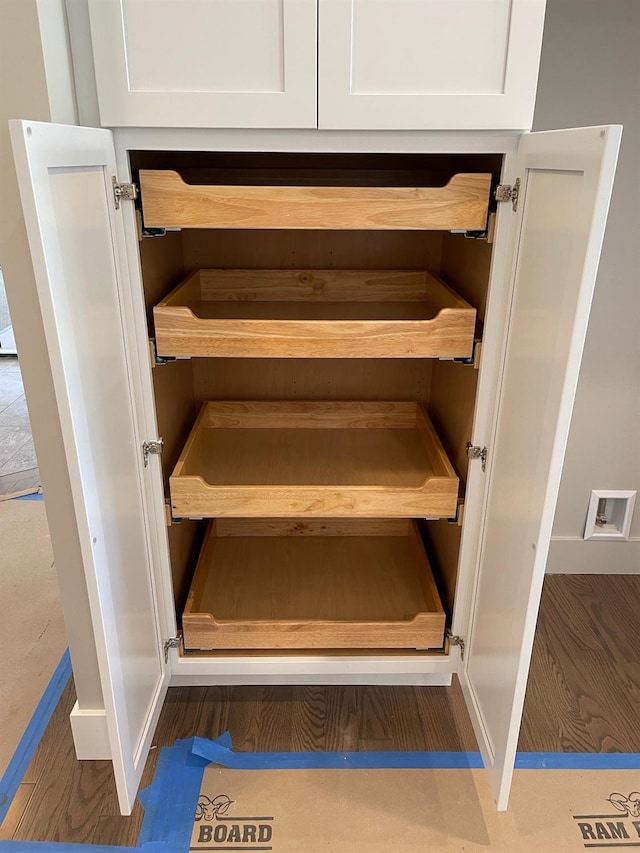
[577, 761]
[29, 741]
[220, 751]
[170, 802]
[35, 497]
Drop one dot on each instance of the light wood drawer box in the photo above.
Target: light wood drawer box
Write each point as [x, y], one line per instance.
[314, 314]
[287, 584]
[313, 459]
[169, 202]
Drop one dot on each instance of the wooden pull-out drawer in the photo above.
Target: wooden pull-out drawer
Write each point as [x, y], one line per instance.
[314, 314]
[313, 459]
[288, 584]
[169, 202]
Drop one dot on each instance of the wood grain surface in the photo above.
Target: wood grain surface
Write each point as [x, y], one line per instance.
[331, 459]
[306, 591]
[314, 314]
[168, 202]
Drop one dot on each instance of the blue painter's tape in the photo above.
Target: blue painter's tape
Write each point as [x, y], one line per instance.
[219, 753]
[33, 733]
[577, 761]
[35, 497]
[170, 802]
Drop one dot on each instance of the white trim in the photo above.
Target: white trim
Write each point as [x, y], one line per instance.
[312, 669]
[90, 734]
[572, 555]
[338, 141]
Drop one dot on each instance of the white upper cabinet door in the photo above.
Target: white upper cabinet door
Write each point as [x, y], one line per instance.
[76, 239]
[429, 64]
[567, 178]
[205, 63]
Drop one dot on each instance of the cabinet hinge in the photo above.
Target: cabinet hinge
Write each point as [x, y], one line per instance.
[455, 640]
[475, 452]
[151, 447]
[506, 192]
[171, 643]
[123, 192]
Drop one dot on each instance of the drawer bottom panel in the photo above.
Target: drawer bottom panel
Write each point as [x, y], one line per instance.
[313, 584]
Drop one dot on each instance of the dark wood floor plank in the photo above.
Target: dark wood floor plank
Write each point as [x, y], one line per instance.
[444, 718]
[16, 811]
[308, 719]
[584, 684]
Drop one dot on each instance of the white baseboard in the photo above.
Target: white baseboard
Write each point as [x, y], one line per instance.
[570, 555]
[90, 735]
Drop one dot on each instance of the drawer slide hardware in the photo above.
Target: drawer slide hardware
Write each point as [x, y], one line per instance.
[455, 640]
[171, 643]
[472, 360]
[476, 452]
[149, 447]
[506, 192]
[123, 192]
[159, 359]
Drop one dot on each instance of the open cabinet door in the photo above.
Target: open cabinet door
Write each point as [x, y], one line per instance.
[566, 182]
[76, 239]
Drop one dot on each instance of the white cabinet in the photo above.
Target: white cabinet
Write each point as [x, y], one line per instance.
[373, 64]
[436, 64]
[532, 289]
[205, 63]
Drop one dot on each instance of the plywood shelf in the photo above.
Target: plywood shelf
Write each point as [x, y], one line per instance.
[169, 202]
[314, 314]
[287, 584]
[313, 459]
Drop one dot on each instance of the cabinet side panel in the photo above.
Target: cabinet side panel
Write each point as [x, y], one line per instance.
[162, 268]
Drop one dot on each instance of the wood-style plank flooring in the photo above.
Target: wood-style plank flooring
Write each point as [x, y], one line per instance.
[582, 696]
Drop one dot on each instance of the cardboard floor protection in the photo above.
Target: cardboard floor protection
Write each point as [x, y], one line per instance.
[33, 634]
[451, 811]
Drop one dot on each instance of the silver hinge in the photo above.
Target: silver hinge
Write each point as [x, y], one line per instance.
[475, 452]
[455, 640]
[171, 643]
[506, 192]
[123, 192]
[151, 447]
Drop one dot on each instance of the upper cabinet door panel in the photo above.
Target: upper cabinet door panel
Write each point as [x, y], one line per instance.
[429, 64]
[205, 63]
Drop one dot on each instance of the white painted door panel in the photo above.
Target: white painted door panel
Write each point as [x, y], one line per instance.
[428, 64]
[205, 63]
[74, 236]
[567, 178]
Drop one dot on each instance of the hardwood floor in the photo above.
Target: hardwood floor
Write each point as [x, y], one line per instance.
[583, 694]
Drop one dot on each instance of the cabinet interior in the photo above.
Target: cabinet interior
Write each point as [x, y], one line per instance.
[447, 389]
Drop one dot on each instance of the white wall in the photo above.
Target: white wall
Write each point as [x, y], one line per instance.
[590, 74]
[36, 84]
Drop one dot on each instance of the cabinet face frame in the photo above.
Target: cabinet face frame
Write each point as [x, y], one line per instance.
[378, 668]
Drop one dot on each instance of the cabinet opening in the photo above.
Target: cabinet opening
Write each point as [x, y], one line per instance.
[313, 318]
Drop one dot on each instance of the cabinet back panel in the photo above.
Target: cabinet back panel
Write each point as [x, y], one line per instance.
[311, 379]
[236, 249]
